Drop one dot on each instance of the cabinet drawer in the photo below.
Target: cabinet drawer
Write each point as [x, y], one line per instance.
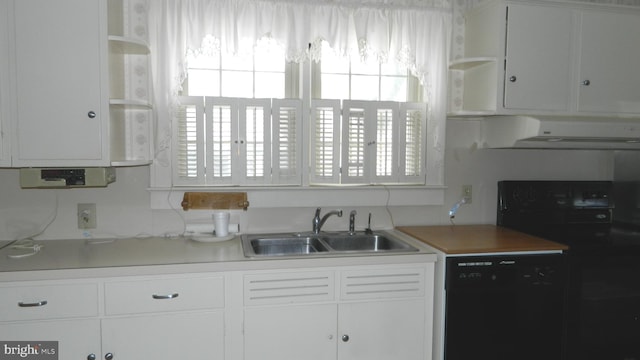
[159, 295]
[283, 288]
[48, 301]
[382, 283]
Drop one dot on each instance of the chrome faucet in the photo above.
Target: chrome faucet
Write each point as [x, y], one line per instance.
[352, 222]
[318, 222]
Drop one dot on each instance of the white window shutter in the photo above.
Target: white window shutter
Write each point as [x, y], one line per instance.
[286, 120]
[189, 143]
[355, 141]
[325, 142]
[369, 146]
[412, 142]
[221, 132]
[384, 153]
[254, 140]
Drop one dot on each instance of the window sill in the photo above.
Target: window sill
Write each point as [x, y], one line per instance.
[280, 197]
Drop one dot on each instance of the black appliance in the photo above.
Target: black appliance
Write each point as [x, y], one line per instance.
[603, 305]
[505, 307]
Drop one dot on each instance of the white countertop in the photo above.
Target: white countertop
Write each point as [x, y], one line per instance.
[80, 258]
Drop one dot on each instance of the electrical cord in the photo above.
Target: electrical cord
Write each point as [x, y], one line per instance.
[27, 243]
[24, 244]
[386, 206]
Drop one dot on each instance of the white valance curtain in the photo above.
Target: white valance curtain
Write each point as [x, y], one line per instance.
[415, 32]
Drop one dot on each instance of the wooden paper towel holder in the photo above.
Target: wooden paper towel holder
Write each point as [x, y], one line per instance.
[214, 200]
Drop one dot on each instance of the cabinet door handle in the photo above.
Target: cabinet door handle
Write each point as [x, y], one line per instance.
[108, 356]
[512, 78]
[164, 297]
[586, 82]
[91, 114]
[345, 338]
[33, 304]
[91, 357]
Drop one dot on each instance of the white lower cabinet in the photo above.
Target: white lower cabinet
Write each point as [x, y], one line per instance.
[290, 332]
[323, 313]
[382, 330]
[62, 311]
[374, 313]
[171, 317]
[152, 317]
[77, 338]
[197, 335]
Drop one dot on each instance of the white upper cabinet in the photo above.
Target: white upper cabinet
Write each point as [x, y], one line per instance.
[549, 58]
[609, 80]
[61, 85]
[81, 89]
[538, 58]
[5, 96]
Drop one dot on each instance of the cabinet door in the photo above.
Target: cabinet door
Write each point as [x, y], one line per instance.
[5, 95]
[382, 330]
[185, 336]
[538, 56]
[290, 333]
[77, 339]
[62, 107]
[609, 56]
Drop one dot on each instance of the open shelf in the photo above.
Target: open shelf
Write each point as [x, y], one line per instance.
[469, 63]
[128, 45]
[130, 103]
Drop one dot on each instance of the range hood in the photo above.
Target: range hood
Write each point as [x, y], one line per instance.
[558, 132]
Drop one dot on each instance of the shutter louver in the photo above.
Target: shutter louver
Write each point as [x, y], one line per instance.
[325, 142]
[220, 144]
[287, 149]
[412, 142]
[221, 120]
[385, 163]
[254, 141]
[355, 142]
[189, 142]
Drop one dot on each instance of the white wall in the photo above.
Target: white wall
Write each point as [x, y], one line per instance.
[123, 208]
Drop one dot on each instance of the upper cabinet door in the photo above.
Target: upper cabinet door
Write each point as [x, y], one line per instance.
[538, 57]
[62, 106]
[5, 94]
[609, 80]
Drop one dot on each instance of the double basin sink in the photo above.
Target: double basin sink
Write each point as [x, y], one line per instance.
[303, 244]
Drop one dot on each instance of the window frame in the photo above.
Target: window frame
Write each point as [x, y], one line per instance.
[306, 174]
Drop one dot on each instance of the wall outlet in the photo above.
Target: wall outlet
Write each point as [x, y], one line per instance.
[467, 194]
[87, 217]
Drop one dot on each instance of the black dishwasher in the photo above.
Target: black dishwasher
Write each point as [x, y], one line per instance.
[505, 307]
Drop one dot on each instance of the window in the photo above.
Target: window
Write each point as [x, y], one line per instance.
[236, 138]
[352, 78]
[417, 32]
[255, 73]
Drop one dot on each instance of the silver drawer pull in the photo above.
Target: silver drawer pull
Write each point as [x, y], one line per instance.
[164, 297]
[33, 304]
